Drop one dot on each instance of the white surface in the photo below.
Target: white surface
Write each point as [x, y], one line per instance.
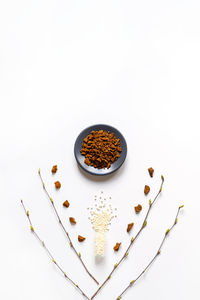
[66, 65]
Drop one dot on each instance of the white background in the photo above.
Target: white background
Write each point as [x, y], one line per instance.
[65, 65]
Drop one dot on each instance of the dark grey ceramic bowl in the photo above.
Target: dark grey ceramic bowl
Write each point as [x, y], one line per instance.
[80, 158]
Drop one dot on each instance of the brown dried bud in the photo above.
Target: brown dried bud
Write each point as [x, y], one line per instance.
[72, 220]
[54, 169]
[129, 227]
[117, 246]
[151, 171]
[138, 208]
[146, 189]
[57, 184]
[81, 238]
[66, 204]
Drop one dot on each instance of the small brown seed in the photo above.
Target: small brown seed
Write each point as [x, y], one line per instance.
[117, 246]
[72, 220]
[129, 227]
[54, 169]
[81, 238]
[138, 208]
[57, 184]
[66, 203]
[151, 171]
[146, 189]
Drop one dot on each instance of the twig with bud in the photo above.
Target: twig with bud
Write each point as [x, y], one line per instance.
[64, 229]
[132, 239]
[49, 253]
[155, 256]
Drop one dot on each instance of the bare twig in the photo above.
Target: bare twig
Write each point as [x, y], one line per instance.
[64, 229]
[153, 259]
[132, 239]
[49, 253]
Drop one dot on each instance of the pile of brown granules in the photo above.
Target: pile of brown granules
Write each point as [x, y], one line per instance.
[101, 149]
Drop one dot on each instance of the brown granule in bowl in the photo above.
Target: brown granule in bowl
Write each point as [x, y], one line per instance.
[101, 149]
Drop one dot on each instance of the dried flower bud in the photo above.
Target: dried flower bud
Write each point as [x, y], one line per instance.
[117, 246]
[159, 252]
[146, 189]
[138, 208]
[54, 169]
[57, 184]
[66, 203]
[72, 220]
[81, 238]
[129, 227]
[39, 171]
[151, 171]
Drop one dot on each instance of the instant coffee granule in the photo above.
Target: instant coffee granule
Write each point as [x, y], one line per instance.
[101, 149]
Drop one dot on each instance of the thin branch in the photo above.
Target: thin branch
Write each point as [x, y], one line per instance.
[132, 240]
[155, 256]
[49, 253]
[64, 229]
